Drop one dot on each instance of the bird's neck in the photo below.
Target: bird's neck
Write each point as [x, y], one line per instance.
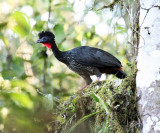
[57, 53]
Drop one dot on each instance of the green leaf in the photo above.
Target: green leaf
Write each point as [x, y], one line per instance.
[74, 101]
[63, 6]
[8, 74]
[22, 24]
[39, 25]
[77, 43]
[87, 35]
[16, 69]
[20, 83]
[99, 100]
[48, 102]
[95, 98]
[22, 100]
[121, 28]
[129, 64]
[2, 25]
[82, 120]
[59, 32]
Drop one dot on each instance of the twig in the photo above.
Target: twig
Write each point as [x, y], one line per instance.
[45, 55]
[145, 15]
[49, 13]
[38, 91]
[139, 35]
[147, 9]
[111, 5]
[44, 69]
[69, 121]
[135, 46]
[9, 55]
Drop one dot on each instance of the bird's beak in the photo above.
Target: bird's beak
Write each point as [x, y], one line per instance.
[39, 41]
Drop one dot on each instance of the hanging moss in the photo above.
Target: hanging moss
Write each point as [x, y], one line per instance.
[120, 100]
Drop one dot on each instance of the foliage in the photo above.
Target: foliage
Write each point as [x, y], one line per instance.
[22, 25]
[33, 84]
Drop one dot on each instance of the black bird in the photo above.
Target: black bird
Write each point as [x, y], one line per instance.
[84, 60]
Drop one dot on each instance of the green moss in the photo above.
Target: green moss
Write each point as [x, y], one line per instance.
[120, 100]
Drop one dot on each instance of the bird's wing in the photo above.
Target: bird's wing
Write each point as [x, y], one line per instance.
[90, 56]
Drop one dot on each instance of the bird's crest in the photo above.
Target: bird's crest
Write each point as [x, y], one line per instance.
[46, 33]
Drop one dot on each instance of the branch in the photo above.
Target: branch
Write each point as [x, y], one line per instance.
[111, 5]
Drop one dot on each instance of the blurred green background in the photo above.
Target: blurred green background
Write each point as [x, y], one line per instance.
[32, 81]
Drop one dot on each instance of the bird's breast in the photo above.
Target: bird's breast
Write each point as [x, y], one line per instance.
[79, 68]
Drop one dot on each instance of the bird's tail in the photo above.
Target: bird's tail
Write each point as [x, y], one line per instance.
[121, 74]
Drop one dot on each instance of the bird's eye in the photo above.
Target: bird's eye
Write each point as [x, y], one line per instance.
[44, 38]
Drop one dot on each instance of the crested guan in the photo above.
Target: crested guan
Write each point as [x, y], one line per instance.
[84, 60]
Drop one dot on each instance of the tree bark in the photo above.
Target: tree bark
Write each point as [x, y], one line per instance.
[148, 64]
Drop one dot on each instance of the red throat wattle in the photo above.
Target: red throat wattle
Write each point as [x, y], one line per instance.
[48, 45]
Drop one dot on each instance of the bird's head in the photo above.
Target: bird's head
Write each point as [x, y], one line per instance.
[47, 38]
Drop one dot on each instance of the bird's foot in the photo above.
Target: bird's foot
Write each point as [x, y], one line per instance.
[98, 78]
[83, 87]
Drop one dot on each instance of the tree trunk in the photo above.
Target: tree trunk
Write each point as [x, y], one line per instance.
[148, 64]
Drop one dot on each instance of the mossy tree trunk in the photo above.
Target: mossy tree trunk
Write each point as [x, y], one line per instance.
[148, 64]
[118, 114]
